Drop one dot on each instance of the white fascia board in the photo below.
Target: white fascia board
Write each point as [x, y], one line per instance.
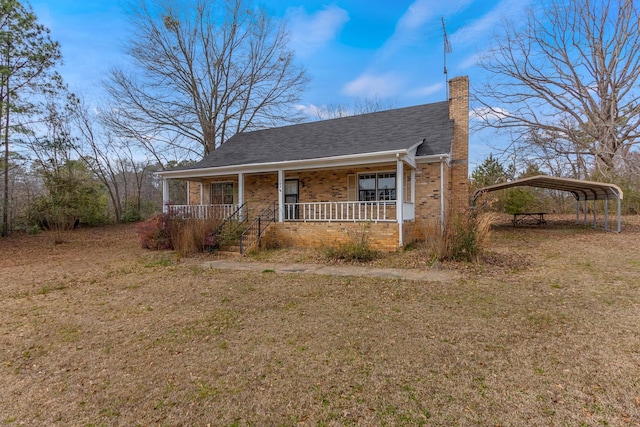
[434, 158]
[325, 162]
[409, 157]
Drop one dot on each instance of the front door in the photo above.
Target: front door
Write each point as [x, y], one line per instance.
[291, 198]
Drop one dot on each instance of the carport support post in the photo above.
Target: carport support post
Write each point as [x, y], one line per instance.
[595, 207]
[619, 213]
[586, 208]
[606, 214]
[577, 211]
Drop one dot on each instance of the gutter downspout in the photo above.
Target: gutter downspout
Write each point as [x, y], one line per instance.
[400, 198]
[442, 196]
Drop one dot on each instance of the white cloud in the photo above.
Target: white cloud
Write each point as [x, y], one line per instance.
[310, 110]
[428, 90]
[488, 114]
[470, 61]
[407, 29]
[311, 32]
[420, 18]
[369, 85]
[416, 15]
[483, 26]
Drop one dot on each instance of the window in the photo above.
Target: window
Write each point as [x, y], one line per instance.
[377, 186]
[222, 193]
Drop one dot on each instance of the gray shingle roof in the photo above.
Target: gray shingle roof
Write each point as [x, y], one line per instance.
[367, 133]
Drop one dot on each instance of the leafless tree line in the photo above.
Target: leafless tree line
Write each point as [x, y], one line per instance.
[564, 84]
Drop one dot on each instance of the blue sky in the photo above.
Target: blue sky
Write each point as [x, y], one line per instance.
[390, 50]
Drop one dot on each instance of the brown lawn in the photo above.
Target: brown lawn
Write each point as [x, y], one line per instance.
[545, 332]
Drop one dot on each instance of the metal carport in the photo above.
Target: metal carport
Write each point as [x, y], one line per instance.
[582, 190]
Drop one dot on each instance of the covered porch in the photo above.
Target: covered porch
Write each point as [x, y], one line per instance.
[371, 192]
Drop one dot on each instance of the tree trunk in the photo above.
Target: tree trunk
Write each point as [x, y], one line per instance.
[5, 207]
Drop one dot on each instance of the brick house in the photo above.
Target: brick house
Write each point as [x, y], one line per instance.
[392, 173]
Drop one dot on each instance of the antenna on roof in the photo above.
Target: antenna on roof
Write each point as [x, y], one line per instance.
[446, 49]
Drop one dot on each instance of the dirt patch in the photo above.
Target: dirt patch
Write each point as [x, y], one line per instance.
[96, 331]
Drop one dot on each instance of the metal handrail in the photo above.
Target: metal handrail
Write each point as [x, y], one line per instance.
[239, 215]
[256, 229]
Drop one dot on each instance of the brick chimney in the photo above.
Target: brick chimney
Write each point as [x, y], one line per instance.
[459, 161]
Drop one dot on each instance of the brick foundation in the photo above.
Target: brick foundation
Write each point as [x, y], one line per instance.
[381, 236]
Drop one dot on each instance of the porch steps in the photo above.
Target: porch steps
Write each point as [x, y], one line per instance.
[227, 253]
[231, 249]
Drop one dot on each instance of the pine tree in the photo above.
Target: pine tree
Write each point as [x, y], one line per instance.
[28, 57]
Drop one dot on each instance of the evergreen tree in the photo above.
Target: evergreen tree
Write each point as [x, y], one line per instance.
[490, 172]
[28, 57]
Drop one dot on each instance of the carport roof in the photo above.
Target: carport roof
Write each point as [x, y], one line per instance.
[581, 189]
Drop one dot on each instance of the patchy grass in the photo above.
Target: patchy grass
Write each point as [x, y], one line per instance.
[99, 332]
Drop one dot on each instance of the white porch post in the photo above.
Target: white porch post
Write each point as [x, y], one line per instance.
[280, 195]
[201, 194]
[165, 195]
[240, 190]
[400, 198]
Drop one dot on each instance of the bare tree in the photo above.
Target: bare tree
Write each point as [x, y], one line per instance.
[566, 80]
[360, 106]
[205, 70]
[116, 163]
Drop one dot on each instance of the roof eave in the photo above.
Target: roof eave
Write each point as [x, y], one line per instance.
[432, 158]
[318, 163]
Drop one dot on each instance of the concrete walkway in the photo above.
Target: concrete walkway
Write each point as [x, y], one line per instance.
[430, 275]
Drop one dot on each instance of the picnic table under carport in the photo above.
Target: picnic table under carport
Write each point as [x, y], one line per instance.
[582, 190]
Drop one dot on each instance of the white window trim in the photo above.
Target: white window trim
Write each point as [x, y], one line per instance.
[233, 186]
[376, 173]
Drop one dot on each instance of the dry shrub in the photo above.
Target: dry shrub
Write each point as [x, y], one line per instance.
[358, 249]
[433, 244]
[271, 240]
[153, 233]
[188, 235]
[185, 236]
[465, 239]
[468, 236]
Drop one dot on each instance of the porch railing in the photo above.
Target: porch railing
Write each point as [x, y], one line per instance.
[341, 211]
[201, 211]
